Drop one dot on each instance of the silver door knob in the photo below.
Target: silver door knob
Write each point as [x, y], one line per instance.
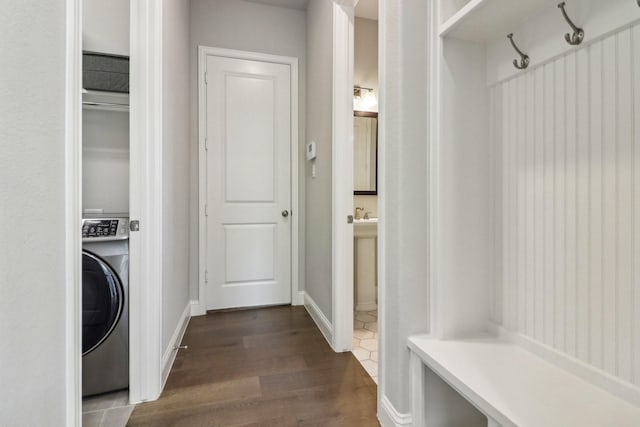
[285, 213]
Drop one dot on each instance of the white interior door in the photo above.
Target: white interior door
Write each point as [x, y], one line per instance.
[248, 195]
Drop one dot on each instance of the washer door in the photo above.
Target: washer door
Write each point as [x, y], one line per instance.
[102, 301]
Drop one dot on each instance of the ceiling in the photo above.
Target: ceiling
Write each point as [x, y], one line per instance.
[367, 9]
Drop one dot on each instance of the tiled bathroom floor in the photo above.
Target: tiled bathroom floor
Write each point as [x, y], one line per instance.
[107, 410]
[365, 341]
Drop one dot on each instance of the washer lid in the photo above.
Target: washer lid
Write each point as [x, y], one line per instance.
[102, 301]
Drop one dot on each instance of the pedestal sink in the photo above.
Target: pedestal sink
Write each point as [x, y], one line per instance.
[365, 232]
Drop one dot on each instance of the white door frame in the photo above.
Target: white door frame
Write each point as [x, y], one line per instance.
[200, 306]
[145, 298]
[342, 174]
[146, 139]
[73, 216]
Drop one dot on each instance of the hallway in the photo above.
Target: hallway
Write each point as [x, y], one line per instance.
[267, 367]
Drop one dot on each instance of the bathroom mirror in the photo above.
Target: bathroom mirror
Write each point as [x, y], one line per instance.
[365, 153]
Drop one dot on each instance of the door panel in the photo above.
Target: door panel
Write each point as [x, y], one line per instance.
[250, 139]
[250, 253]
[248, 183]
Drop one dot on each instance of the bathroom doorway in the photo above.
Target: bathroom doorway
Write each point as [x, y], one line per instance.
[365, 197]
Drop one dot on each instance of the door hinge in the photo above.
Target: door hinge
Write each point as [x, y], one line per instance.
[206, 210]
[206, 78]
[206, 276]
[206, 144]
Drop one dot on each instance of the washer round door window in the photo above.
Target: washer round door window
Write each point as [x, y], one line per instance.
[102, 301]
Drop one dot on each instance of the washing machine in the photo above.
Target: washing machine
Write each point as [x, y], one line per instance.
[105, 304]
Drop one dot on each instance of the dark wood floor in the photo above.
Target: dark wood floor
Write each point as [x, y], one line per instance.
[266, 367]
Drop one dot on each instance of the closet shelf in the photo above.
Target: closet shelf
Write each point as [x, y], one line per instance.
[483, 21]
[99, 100]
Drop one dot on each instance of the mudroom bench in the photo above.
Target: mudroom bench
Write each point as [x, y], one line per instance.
[508, 385]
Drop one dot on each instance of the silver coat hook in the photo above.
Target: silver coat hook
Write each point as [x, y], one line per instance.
[524, 58]
[578, 33]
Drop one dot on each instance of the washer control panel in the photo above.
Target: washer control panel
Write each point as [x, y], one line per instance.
[97, 229]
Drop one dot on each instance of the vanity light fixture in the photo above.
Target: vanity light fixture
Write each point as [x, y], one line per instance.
[364, 96]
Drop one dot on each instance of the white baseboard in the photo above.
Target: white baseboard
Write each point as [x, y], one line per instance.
[197, 308]
[170, 352]
[389, 416]
[600, 378]
[318, 316]
[366, 306]
[299, 299]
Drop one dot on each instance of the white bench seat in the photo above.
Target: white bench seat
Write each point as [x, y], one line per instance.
[514, 387]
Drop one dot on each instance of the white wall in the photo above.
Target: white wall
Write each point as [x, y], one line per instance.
[105, 160]
[176, 171]
[242, 25]
[106, 26]
[32, 206]
[462, 194]
[365, 65]
[404, 159]
[570, 186]
[320, 130]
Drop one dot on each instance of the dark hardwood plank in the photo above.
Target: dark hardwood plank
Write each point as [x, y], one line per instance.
[264, 367]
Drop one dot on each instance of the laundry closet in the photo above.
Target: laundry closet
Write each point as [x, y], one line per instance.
[105, 205]
[535, 194]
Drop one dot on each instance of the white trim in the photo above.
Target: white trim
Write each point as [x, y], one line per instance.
[435, 55]
[319, 318]
[194, 305]
[418, 387]
[171, 352]
[201, 307]
[73, 209]
[145, 308]
[367, 306]
[389, 415]
[203, 52]
[597, 377]
[299, 298]
[295, 206]
[342, 177]
[382, 229]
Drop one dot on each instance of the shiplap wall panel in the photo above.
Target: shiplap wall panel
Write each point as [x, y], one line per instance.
[513, 235]
[495, 196]
[635, 248]
[610, 204]
[559, 204]
[506, 111]
[571, 202]
[496, 127]
[582, 203]
[521, 141]
[568, 136]
[624, 158]
[538, 181]
[595, 204]
[530, 203]
[548, 203]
